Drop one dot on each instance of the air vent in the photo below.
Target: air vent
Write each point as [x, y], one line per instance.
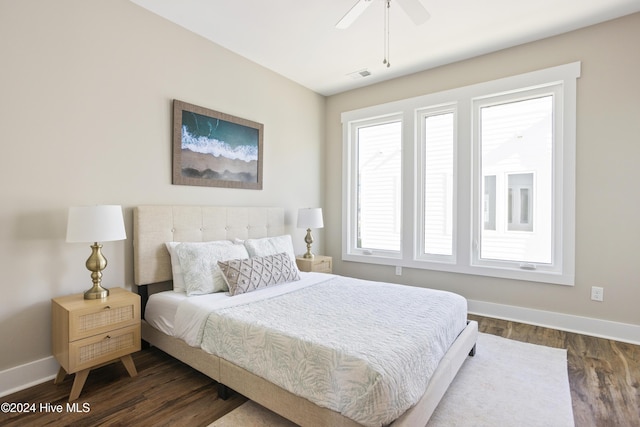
[360, 74]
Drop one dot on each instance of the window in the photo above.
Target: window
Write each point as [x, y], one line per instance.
[437, 143]
[379, 170]
[477, 180]
[516, 142]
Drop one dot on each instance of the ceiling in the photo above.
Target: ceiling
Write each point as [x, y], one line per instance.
[298, 38]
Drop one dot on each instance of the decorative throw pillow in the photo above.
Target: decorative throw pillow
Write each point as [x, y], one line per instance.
[199, 264]
[247, 275]
[270, 246]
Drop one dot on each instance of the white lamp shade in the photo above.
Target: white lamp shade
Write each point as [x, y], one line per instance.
[310, 218]
[95, 224]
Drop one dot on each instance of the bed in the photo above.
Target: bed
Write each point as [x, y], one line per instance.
[220, 354]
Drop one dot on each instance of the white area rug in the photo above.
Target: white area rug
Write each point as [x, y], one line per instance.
[507, 383]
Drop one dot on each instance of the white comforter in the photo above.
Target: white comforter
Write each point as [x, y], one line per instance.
[364, 349]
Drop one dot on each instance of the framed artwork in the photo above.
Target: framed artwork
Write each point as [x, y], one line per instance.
[214, 149]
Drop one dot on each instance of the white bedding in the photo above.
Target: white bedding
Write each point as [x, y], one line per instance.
[371, 366]
[161, 308]
[164, 307]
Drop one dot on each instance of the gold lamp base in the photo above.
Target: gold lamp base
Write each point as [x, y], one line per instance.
[308, 239]
[96, 292]
[95, 264]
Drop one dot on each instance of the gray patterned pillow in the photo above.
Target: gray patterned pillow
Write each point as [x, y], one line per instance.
[247, 275]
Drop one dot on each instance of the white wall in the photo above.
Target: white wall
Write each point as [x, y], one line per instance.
[85, 118]
[608, 149]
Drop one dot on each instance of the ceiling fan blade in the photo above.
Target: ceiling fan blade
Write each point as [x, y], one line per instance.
[353, 14]
[416, 11]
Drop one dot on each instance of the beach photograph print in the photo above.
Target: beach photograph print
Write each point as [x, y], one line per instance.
[214, 149]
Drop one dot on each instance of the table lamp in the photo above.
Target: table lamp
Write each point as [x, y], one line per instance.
[309, 218]
[95, 224]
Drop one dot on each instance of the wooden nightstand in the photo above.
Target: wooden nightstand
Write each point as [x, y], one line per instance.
[91, 333]
[319, 264]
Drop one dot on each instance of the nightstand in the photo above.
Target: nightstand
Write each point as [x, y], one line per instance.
[319, 264]
[91, 333]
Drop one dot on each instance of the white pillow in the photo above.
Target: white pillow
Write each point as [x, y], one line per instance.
[270, 246]
[176, 271]
[199, 264]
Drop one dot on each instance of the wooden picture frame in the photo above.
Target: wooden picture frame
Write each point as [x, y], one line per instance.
[214, 149]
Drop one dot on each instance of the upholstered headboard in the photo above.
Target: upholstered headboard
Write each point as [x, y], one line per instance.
[153, 226]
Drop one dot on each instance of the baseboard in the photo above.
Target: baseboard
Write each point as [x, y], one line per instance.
[24, 376]
[623, 332]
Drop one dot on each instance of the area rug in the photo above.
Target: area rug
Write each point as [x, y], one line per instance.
[507, 383]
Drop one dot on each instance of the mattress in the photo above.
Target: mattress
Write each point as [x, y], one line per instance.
[371, 365]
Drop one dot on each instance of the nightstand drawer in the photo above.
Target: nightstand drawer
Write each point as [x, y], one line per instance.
[318, 264]
[76, 318]
[103, 348]
[322, 265]
[106, 317]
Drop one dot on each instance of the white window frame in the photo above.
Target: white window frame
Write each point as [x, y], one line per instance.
[419, 248]
[467, 200]
[351, 213]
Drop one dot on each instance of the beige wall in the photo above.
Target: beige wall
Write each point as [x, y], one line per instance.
[608, 172]
[85, 118]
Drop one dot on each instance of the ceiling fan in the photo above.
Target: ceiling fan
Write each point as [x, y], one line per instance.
[413, 8]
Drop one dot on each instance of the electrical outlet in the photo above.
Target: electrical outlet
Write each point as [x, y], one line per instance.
[398, 270]
[597, 293]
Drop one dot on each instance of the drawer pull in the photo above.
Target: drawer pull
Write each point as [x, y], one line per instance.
[107, 307]
[108, 337]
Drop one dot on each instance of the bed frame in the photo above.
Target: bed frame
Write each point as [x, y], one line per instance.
[155, 225]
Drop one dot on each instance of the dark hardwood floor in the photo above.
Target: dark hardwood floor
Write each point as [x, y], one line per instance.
[165, 393]
[604, 377]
